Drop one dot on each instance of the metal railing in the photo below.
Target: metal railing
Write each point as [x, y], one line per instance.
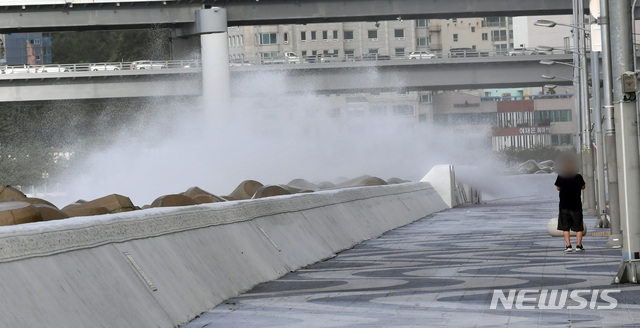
[529, 97]
[104, 66]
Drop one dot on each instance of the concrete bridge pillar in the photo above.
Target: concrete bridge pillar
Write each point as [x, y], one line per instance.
[211, 27]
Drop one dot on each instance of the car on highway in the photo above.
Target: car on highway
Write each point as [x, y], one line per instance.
[148, 64]
[232, 63]
[51, 69]
[373, 57]
[421, 55]
[523, 52]
[463, 52]
[285, 58]
[19, 69]
[329, 58]
[104, 67]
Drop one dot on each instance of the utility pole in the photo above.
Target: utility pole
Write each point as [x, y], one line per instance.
[597, 129]
[615, 240]
[585, 115]
[626, 119]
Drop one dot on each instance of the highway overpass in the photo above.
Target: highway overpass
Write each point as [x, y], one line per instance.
[55, 15]
[339, 77]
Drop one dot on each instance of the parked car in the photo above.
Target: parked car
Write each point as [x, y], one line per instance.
[373, 57]
[147, 64]
[421, 55]
[103, 67]
[328, 58]
[286, 58]
[522, 52]
[463, 52]
[19, 69]
[51, 69]
[233, 63]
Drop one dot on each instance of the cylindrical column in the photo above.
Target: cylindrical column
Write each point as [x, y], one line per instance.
[215, 68]
[597, 129]
[587, 158]
[626, 119]
[615, 240]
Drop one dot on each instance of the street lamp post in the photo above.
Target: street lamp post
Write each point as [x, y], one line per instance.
[615, 240]
[626, 118]
[582, 102]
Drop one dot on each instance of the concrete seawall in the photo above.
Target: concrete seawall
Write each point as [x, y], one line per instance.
[162, 267]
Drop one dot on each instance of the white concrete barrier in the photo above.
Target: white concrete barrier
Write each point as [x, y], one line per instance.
[162, 267]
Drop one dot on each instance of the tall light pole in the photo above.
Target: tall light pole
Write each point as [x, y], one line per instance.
[587, 157]
[609, 127]
[626, 119]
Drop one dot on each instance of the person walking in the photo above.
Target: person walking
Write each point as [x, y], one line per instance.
[570, 185]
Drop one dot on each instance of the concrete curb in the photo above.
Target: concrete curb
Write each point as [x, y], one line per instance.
[162, 267]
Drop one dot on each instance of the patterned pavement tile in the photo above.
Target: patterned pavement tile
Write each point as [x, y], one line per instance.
[442, 271]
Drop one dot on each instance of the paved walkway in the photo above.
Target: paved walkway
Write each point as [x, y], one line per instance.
[441, 272]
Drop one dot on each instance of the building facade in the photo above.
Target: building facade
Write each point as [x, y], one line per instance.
[26, 49]
[351, 39]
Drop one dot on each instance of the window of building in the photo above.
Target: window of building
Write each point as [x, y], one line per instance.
[562, 140]
[349, 53]
[268, 38]
[426, 99]
[473, 29]
[492, 21]
[373, 51]
[399, 33]
[303, 36]
[267, 55]
[377, 110]
[348, 35]
[335, 35]
[510, 34]
[499, 35]
[325, 35]
[286, 37]
[36, 41]
[403, 110]
[372, 34]
[313, 35]
[325, 52]
[37, 57]
[422, 23]
[399, 52]
[548, 116]
[423, 42]
[304, 53]
[454, 20]
[455, 37]
[501, 48]
[485, 36]
[314, 52]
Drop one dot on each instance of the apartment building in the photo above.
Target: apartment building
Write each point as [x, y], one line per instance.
[25, 48]
[351, 39]
[515, 118]
[541, 120]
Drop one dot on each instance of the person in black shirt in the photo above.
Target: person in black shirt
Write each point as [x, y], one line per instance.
[570, 184]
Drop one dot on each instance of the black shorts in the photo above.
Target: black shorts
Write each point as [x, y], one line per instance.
[570, 220]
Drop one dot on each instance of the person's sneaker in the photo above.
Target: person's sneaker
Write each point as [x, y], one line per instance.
[568, 249]
[579, 248]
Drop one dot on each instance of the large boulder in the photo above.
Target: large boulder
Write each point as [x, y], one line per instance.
[362, 181]
[114, 203]
[79, 209]
[245, 190]
[326, 185]
[302, 184]
[48, 213]
[10, 192]
[528, 167]
[18, 212]
[202, 195]
[270, 191]
[173, 200]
